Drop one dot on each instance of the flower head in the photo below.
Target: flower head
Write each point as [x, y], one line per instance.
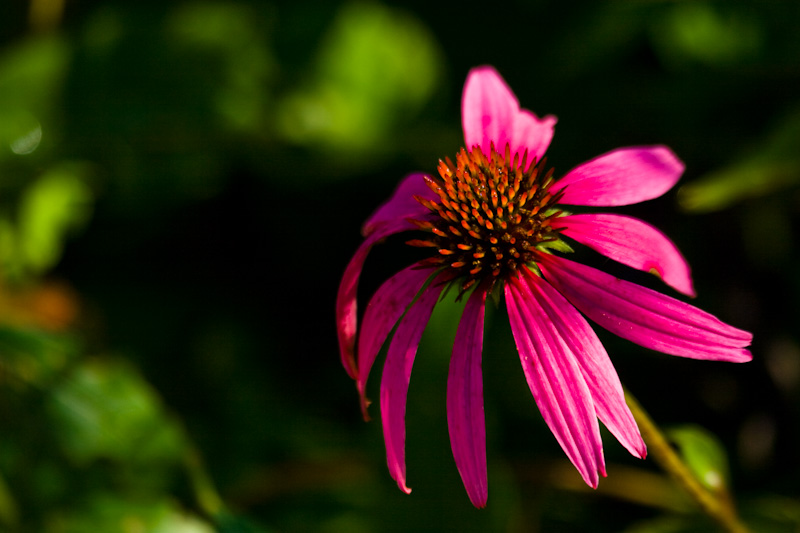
[493, 220]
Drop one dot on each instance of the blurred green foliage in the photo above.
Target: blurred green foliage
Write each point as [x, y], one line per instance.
[375, 67]
[182, 184]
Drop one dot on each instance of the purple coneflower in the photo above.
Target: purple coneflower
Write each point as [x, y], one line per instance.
[493, 219]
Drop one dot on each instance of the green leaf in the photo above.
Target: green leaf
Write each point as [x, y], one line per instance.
[708, 34]
[703, 454]
[57, 203]
[376, 67]
[104, 409]
[31, 73]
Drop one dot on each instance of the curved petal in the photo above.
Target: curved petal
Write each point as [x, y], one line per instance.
[465, 418]
[383, 311]
[388, 219]
[396, 376]
[346, 303]
[621, 177]
[644, 316]
[596, 366]
[490, 113]
[556, 382]
[402, 204]
[632, 242]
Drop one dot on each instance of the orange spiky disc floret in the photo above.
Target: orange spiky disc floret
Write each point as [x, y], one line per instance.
[492, 214]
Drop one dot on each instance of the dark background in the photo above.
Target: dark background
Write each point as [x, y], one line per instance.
[183, 183]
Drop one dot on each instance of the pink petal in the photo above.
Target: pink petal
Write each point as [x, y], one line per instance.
[596, 367]
[556, 382]
[621, 177]
[632, 242]
[383, 311]
[490, 113]
[396, 375]
[402, 204]
[644, 316]
[465, 416]
[346, 306]
[390, 218]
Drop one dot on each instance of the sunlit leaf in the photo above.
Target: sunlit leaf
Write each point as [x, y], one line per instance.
[56, 204]
[375, 68]
[31, 74]
[703, 454]
[713, 34]
[20, 131]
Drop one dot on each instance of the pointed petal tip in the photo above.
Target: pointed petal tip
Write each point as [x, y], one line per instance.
[479, 500]
[349, 364]
[365, 403]
[637, 449]
[646, 317]
[465, 414]
[632, 242]
[397, 469]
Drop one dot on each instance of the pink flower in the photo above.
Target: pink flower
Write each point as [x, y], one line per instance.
[492, 220]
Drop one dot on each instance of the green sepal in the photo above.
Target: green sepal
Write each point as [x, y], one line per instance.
[558, 245]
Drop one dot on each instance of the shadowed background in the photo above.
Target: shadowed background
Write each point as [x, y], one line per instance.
[183, 183]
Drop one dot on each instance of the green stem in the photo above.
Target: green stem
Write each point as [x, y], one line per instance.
[207, 496]
[718, 508]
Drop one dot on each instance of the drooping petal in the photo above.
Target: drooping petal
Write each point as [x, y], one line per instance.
[396, 375]
[596, 366]
[644, 316]
[402, 204]
[465, 418]
[388, 219]
[346, 306]
[621, 177]
[490, 113]
[632, 242]
[383, 311]
[556, 382]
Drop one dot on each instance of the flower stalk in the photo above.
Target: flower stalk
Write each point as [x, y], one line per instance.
[717, 506]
